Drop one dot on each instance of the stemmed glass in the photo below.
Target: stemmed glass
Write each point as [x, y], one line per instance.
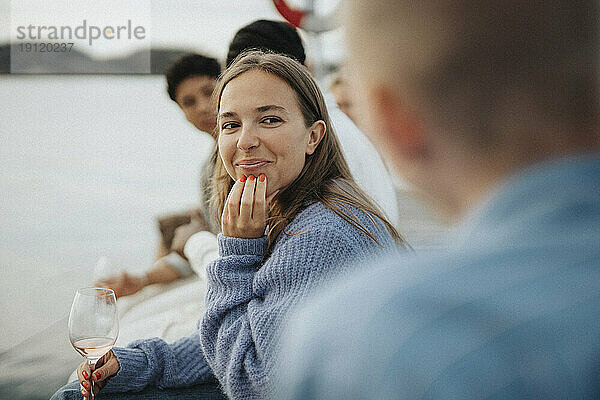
[93, 324]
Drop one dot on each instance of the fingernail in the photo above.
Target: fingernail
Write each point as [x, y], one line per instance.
[97, 375]
[85, 384]
[85, 374]
[251, 177]
[261, 178]
[243, 178]
[83, 392]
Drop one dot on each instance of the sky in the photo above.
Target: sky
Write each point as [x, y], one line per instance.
[205, 26]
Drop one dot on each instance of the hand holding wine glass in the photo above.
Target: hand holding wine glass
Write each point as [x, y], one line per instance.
[93, 330]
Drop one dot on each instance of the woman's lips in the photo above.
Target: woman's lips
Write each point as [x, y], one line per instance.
[252, 166]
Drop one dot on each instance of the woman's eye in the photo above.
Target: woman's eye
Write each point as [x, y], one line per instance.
[229, 125]
[271, 120]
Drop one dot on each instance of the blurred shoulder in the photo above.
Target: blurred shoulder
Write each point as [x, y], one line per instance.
[361, 323]
[405, 320]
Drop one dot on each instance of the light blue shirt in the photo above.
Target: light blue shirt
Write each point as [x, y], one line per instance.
[511, 311]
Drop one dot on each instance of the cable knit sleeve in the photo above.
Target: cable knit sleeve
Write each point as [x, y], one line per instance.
[154, 362]
[247, 301]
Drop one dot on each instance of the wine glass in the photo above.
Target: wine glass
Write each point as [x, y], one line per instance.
[93, 324]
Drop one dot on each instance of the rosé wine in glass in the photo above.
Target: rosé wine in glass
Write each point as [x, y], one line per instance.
[93, 324]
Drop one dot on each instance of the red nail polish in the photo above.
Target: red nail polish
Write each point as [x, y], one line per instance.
[261, 178]
[85, 384]
[97, 375]
[251, 177]
[85, 374]
[243, 178]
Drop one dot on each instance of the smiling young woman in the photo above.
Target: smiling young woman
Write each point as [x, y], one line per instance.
[262, 129]
[292, 216]
[292, 219]
[283, 111]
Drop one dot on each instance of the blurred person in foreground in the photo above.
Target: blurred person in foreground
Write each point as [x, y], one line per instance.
[190, 83]
[491, 107]
[292, 217]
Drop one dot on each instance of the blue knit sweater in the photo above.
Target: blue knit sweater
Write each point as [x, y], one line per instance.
[246, 303]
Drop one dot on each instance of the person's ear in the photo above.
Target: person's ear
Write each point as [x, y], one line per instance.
[397, 124]
[315, 135]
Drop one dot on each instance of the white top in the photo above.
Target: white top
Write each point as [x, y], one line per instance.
[364, 161]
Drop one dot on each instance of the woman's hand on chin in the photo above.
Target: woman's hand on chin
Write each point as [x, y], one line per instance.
[246, 208]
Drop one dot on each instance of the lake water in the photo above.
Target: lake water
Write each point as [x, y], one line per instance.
[87, 163]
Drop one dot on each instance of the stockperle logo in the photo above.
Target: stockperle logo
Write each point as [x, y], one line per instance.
[80, 36]
[84, 31]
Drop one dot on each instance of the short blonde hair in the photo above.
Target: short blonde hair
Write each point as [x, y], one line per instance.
[473, 64]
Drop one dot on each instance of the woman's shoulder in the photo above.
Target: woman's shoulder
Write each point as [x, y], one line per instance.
[320, 218]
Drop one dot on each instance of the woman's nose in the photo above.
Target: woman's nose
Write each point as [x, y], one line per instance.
[248, 139]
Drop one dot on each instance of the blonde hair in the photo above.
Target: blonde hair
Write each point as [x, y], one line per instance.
[325, 176]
